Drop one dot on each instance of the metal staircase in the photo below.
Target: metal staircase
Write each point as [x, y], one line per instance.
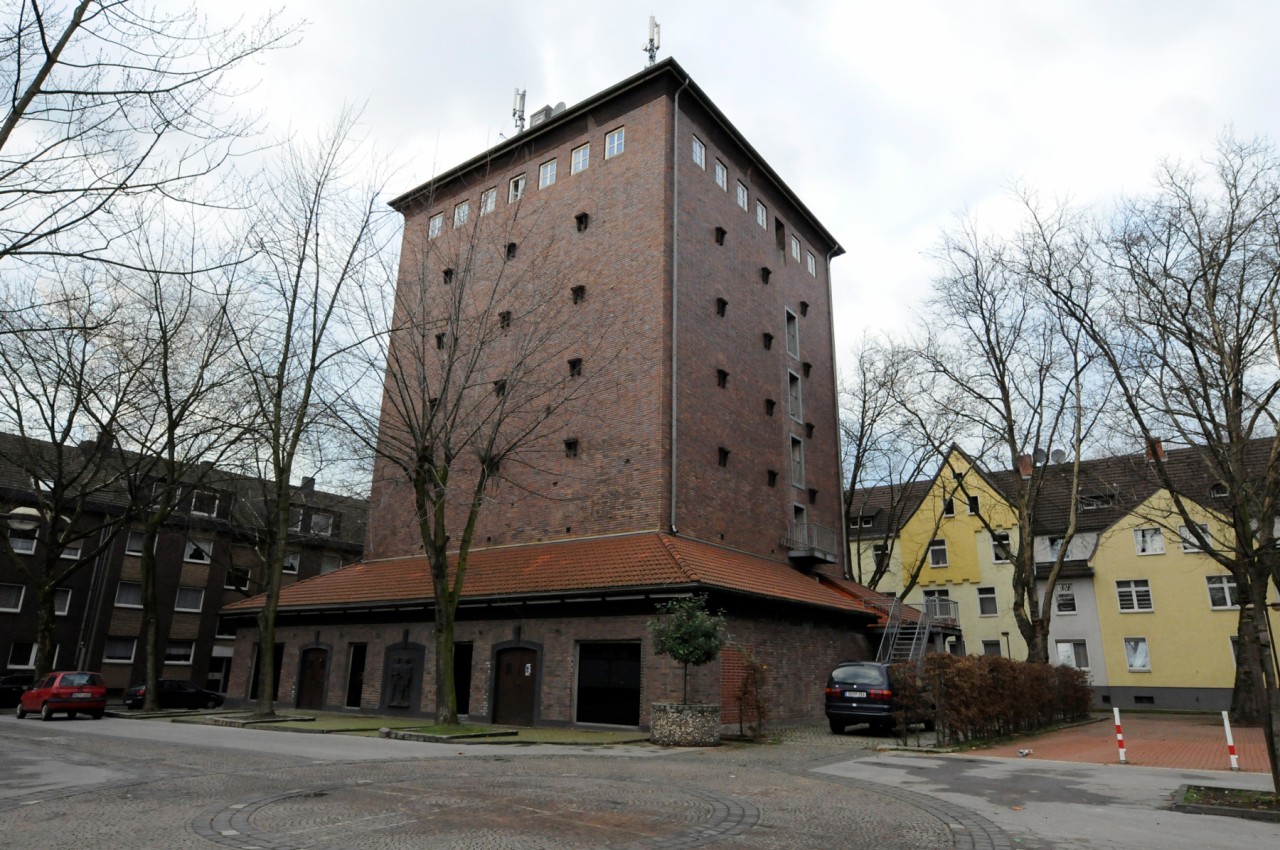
[907, 640]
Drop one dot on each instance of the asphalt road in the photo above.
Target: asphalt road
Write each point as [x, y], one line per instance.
[118, 783]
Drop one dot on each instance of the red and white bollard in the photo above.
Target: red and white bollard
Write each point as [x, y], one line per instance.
[1120, 737]
[1231, 744]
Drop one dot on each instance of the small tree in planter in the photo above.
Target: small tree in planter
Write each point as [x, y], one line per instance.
[689, 633]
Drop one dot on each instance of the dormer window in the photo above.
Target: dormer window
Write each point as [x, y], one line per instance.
[204, 503]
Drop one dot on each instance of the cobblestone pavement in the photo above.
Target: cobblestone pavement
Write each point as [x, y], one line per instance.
[82, 784]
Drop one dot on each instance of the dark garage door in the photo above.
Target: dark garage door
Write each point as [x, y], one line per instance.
[609, 683]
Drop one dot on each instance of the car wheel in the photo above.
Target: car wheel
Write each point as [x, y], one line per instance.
[21, 712]
[46, 713]
[836, 726]
[212, 703]
[96, 715]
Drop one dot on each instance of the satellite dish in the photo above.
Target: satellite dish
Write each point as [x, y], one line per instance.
[1040, 457]
[1059, 456]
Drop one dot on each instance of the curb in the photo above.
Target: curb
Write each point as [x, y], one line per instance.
[1181, 805]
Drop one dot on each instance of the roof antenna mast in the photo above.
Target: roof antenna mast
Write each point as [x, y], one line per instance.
[517, 111]
[655, 40]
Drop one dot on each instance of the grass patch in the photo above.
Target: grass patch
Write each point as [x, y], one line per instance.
[1233, 798]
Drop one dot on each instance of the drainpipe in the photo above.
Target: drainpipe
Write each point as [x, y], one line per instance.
[675, 290]
[846, 570]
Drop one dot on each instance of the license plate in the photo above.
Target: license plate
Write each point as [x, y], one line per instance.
[82, 696]
[856, 694]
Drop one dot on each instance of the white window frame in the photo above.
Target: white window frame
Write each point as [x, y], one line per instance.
[170, 660]
[973, 504]
[328, 560]
[131, 642]
[291, 561]
[129, 541]
[988, 645]
[1077, 647]
[811, 262]
[1132, 646]
[324, 529]
[1189, 543]
[792, 323]
[1148, 541]
[198, 544]
[22, 596]
[195, 498]
[699, 153]
[615, 142]
[30, 662]
[219, 634]
[515, 188]
[580, 158]
[795, 249]
[71, 552]
[232, 571]
[743, 195]
[1062, 592]
[937, 545]
[177, 600]
[23, 544]
[797, 461]
[488, 200]
[988, 594]
[795, 396]
[61, 601]
[435, 225]
[1229, 590]
[461, 214]
[547, 174]
[131, 584]
[996, 540]
[1133, 590]
[762, 215]
[722, 175]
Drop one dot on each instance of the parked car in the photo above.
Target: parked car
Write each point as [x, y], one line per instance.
[860, 692]
[72, 692]
[12, 686]
[174, 693]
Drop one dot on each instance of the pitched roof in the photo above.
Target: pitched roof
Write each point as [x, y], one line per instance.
[575, 568]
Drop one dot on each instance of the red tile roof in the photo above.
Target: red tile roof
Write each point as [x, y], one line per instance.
[629, 562]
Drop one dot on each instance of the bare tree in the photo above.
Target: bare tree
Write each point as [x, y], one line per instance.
[110, 101]
[319, 238]
[1023, 370]
[62, 397]
[487, 364]
[1184, 312]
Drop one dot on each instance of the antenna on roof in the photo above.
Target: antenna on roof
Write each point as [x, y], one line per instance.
[517, 110]
[655, 40]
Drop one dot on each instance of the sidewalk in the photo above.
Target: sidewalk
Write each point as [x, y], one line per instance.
[1189, 742]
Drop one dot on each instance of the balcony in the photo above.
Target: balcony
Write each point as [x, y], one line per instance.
[808, 543]
[945, 612]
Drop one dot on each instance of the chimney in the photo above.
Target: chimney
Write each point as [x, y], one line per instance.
[1024, 466]
[308, 484]
[1155, 449]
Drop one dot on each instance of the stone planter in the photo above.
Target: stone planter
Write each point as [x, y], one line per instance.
[674, 724]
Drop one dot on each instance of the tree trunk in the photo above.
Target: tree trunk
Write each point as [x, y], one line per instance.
[150, 631]
[1248, 695]
[446, 689]
[45, 644]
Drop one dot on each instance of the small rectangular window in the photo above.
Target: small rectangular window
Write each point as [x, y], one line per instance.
[723, 456]
[974, 505]
[987, 602]
[721, 233]
[771, 477]
[793, 334]
[583, 220]
[204, 503]
[488, 200]
[515, 189]
[322, 523]
[937, 553]
[1064, 599]
[189, 599]
[61, 601]
[722, 306]
[795, 249]
[546, 174]
[71, 552]
[440, 339]
[579, 159]
[512, 247]
[579, 294]
[780, 234]
[948, 507]
[290, 565]
[435, 225]
[329, 563]
[446, 276]
[991, 647]
[119, 650]
[880, 555]
[812, 263]
[699, 153]
[722, 176]
[797, 462]
[199, 550]
[461, 213]
[768, 341]
[571, 448]
[504, 320]
[762, 216]
[722, 378]
[1222, 592]
[1137, 655]
[237, 578]
[1000, 551]
[742, 195]
[224, 629]
[1073, 653]
[179, 652]
[1134, 595]
[615, 143]
[795, 397]
[129, 594]
[1148, 541]
[575, 367]
[22, 656]
[134, 543]
[1189, 543]
[11, 596]
[22, 540]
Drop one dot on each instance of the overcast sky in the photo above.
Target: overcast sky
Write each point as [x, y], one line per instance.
[889, 119]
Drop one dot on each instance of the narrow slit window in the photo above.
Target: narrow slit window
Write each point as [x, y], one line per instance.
[722, 306]
[813, 496]
[722, 378]
[769, 406]
[768, 341]
[780, 234]
[583, 220]
[511, 250]
[721, 233]
[723, 456]
[804, 308]
[571, 448]
[771, 477]
[579, 294]
[440, 341]
[504, 319]
[447, 276]
[500, 387]
[575, 367]
[765, 274]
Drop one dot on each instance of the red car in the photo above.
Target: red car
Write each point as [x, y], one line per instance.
[69, 692]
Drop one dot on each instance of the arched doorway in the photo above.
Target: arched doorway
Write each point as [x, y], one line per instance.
[514, 686]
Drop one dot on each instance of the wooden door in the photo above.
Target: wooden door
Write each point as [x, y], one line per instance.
[311, 686]
[513, 688]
